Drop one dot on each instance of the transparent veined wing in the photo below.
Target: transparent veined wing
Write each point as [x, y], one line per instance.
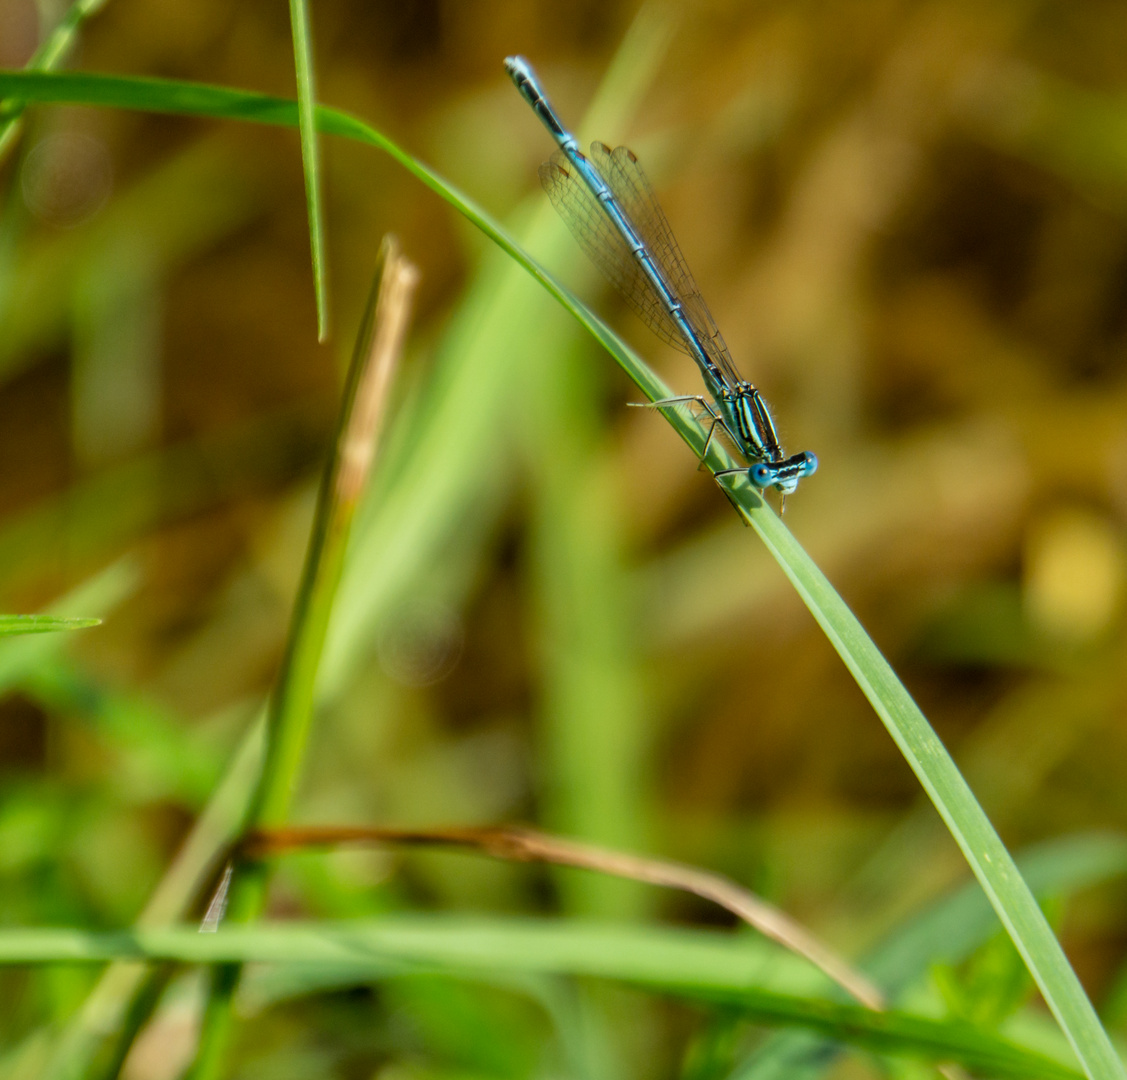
[631, 188]
[605, 247]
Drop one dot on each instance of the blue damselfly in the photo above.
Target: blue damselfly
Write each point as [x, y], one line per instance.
[612, 211]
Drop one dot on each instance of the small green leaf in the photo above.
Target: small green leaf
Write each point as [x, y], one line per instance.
[42, 624]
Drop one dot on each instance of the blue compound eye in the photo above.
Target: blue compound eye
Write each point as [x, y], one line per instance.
[762, 475]
[811, 465]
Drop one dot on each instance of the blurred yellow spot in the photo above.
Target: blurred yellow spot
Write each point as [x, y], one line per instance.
[1074, 573]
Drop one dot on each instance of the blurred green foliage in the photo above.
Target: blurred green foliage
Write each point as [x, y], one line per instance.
[909, 222]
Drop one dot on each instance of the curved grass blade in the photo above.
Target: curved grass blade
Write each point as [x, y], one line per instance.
[696, 965]
[310, 156]
[222, 103]
[982, 847]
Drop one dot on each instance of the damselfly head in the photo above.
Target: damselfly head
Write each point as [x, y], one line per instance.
[783, 476]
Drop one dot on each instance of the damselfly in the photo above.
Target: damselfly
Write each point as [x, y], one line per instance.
[608, 204]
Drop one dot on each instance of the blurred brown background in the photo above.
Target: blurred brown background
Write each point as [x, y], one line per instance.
[909, 221]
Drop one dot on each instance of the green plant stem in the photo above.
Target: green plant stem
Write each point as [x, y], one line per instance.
[291, 705]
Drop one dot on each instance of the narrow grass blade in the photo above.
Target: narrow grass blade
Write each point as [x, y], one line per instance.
[310, 156]
[925, 753]
[119, 1004]
[953, 927]
[197, 99]
[697, 965]
[946, 932]
[376, 356]
[981, 845]
[51, 52]
[42, 624]
[21, 655]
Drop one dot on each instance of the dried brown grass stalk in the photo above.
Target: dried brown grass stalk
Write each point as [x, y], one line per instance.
[517, 844]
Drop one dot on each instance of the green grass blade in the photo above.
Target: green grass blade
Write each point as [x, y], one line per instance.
[51, 52]
[114, 1009]
[925, 753]
[59, 41]
[927, 756]
[310, 156]
[197, 99]
[375, 358]
[697, 965]
[358, 428]
[947, 932]
[42, 624]
[20, 656]
[952, 928]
